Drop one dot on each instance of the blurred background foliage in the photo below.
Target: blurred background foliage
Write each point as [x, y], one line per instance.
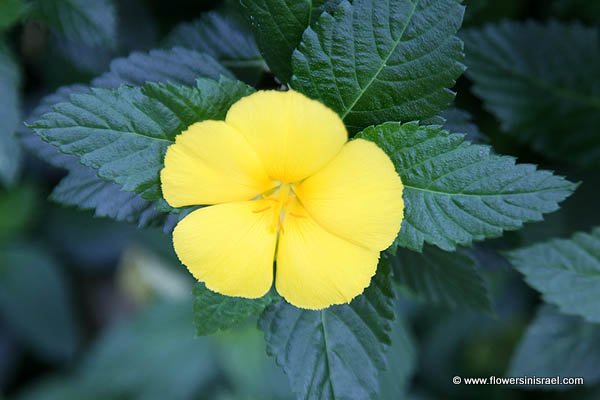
[95, 309]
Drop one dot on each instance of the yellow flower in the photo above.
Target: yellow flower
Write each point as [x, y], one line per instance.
[284, 184]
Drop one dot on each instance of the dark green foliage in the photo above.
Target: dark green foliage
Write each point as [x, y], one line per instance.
[225, 37]
[456, 192]
[558, 345]
[213, 311]
[449, 279]
[278, 26]
[541, 82]
[402, 361]
[336, 353]
[158, 66]
[92, 22]
[82, 188]
[34, 300]
[374, 61]
[460, 121]
[565, 272]
[123, 133]
[389, 68]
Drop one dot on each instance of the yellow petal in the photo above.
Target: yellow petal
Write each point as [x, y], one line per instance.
[211, 163]
[293, 135]
[316, 269]
[357, 196]
[230, 247]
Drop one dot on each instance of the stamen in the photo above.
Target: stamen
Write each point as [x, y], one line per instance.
[282, 196]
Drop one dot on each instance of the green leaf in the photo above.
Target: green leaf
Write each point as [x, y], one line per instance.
[565, 272]
[213, 311]
[159, 66]
[136, 29]
[374, 61]
[123, 133]
[460, 121]
[153, 357]
[11, 11]
[82, 189]
[456, 192]
[558, 345]
[402, 362]
[10, 154]
[336, 353]
[540, 81]
[449, 279]
[34, 302]
[32, 143]
[226, 37]
[278, 26]
[249, 371]
[92, 22]
[136, 69]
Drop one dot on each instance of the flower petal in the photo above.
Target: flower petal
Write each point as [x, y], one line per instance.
[230, 247]
[211, 163]
[316, 269]
[357, 196]
[293, 135]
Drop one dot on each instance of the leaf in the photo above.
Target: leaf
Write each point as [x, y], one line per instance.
[80, 188]
[278, 26]
[213, 311]
[92, 22]
[565, 272]
[540, 81]
[159, 66]
[136, 69]
[250, 373]
[123, 133]
[402, 359]
[34, 302]
[95, 59]
[226, 38]
[83, 189]
[439, 277]
[460, 121]
[152, 357]
[11, 11]
[31, 142]
[456, 192]
[558, 345]
[10, 154]
[336, 353]
[374, 61]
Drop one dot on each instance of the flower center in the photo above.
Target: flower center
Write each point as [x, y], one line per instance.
[276, 199]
